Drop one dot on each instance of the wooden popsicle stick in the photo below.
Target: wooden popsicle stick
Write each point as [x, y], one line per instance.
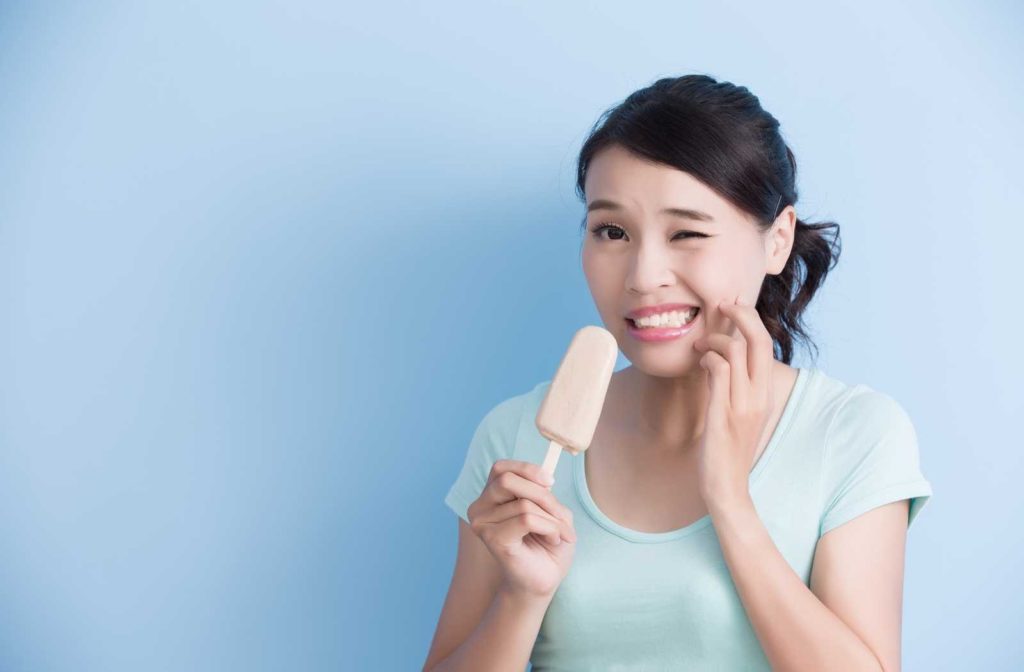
[551, 459]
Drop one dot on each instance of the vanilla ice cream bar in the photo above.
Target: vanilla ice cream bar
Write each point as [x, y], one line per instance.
[570, 410]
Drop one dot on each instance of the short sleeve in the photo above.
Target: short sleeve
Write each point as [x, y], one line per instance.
[871, 459]
[494, 439]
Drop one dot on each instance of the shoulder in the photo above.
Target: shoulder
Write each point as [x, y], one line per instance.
[871, 434]
[501, 424]
[843, 409]
[871, 458]
[512, 408]
[496, 437]
[864, 413]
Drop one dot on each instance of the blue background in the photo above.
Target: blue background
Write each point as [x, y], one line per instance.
[263, 268]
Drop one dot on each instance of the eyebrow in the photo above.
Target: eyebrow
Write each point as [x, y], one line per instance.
[685, 213]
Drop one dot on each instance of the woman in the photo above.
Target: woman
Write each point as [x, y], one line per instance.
[732, 512]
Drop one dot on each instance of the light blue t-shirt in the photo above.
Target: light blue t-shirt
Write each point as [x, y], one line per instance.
[665, 600]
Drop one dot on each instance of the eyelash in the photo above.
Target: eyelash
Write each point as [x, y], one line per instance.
[601, 227]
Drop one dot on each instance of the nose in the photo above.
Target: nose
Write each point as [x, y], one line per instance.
[649, 270]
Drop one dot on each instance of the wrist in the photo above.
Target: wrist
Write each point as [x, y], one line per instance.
[729, 502]
[524, 599]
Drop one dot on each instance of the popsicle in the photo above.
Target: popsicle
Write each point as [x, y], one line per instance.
[570, 410]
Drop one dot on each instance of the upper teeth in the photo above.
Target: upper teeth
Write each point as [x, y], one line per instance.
[674, 318]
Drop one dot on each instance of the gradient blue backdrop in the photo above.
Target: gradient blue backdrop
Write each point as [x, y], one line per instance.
[265, 266]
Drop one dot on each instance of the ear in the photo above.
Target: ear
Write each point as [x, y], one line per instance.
[778, 240]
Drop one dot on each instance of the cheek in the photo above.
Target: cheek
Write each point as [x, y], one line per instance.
[709, 276]
[593, 279]
[720, 277]
[714, 280]
[600, 279]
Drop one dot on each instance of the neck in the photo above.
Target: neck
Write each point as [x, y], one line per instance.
[664, 415]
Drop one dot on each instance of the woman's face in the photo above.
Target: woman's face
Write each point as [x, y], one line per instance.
[660, 258]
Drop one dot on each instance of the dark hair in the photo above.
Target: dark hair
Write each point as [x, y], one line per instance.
[719, 133]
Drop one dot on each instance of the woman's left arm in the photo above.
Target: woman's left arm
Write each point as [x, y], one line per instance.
[850, 617]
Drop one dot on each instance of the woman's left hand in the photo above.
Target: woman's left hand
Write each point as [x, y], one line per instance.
[740, 402]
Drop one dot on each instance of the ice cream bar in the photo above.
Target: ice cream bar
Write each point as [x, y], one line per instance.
[570, 410]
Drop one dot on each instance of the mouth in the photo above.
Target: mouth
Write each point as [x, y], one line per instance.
[674, 328]
[665, 322]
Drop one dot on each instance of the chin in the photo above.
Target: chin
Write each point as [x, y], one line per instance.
[667, 366]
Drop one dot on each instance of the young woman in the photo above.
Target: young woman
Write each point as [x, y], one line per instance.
[733, 512]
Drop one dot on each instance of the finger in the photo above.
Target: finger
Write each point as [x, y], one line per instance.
[528, 470]
[513, 530]
[518, 507]
[509, 485]
[760, 352]
[718, 379]
[734, 351]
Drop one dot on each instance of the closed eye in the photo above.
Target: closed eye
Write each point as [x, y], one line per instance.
[598, 230]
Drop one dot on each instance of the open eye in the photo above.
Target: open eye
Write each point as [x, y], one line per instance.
[598, 230]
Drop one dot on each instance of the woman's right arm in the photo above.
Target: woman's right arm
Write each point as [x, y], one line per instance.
[503, 640]
[511, 558]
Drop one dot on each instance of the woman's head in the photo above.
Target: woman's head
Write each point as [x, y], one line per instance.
[708, 149]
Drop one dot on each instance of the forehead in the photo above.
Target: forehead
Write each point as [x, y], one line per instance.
[644, 186]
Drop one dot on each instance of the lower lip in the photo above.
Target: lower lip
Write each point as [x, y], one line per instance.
[657, 334]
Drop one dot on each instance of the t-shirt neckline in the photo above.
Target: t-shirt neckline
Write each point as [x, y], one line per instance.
[583, 491]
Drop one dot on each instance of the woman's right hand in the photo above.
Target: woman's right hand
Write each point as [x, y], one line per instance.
[525, 528]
